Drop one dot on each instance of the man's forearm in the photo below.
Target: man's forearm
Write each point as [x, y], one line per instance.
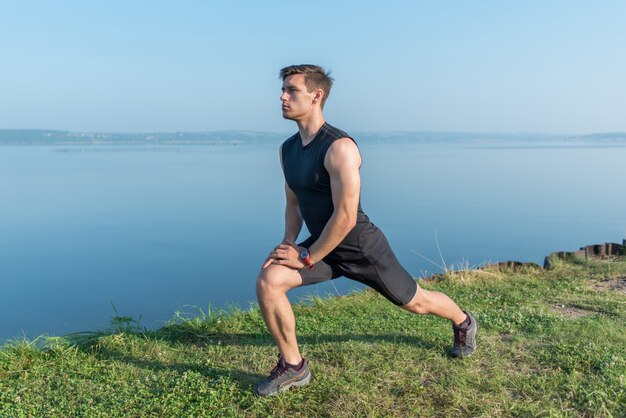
[338, 226]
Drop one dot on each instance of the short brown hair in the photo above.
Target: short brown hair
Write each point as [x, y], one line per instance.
[315, 77]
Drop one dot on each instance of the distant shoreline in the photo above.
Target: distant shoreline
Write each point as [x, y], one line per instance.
[60, 137]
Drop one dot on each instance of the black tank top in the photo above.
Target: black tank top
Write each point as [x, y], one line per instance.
[306, 176]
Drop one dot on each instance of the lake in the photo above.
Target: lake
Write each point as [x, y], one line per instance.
[157, 229]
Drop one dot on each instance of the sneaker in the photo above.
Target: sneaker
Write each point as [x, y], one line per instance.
[465, 339]
[282, 377]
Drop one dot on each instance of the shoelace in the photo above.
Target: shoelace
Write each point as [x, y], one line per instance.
[459, 336]
[277, 371]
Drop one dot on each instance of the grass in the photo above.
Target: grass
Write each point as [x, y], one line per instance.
[368, 357]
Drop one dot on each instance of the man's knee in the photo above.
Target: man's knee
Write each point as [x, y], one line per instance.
[419, 304]
[276, 279]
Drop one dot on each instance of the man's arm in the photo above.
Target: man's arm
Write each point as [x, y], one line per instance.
[293, 219]
[342, 163]
[293, 222]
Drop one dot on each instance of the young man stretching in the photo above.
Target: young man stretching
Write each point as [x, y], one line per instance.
[322, 185]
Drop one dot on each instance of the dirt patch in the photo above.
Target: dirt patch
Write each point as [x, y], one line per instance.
[617, 284]
[571, 312]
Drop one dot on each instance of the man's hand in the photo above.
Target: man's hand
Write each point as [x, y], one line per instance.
[285, 254]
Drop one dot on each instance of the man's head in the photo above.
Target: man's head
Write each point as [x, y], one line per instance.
[315, 77]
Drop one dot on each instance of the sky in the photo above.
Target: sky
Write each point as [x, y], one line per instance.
[146, 66]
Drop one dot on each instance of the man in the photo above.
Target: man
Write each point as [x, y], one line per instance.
[322, 186]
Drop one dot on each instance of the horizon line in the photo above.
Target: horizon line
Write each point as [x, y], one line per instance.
[538, 133]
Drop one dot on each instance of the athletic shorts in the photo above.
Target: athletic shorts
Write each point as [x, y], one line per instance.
[370, 261]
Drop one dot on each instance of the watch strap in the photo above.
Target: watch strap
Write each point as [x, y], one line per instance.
[305, 256]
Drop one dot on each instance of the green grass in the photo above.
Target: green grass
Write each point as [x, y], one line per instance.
[368, 357]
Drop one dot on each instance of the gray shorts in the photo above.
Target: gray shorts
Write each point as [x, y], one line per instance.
[371, 262]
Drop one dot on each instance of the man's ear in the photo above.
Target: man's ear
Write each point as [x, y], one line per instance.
[319, 95]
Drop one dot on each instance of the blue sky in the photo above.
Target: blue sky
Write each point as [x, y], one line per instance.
[489, 66]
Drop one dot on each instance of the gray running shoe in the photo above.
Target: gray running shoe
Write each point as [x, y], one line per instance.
[283, 377]
[465, 339]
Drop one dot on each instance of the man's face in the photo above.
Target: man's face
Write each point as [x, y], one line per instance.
[296, 101]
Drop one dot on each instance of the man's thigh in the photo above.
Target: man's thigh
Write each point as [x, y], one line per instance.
[385, 275]
[379, 268]
[321, 272]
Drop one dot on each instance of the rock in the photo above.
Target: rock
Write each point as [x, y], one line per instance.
[510, 265]
[598, 251]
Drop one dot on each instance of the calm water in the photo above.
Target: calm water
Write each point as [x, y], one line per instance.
[157, 229]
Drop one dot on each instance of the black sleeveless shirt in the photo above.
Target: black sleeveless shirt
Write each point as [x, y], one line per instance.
[306, 176]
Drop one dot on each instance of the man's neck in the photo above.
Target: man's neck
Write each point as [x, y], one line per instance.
[309, 128]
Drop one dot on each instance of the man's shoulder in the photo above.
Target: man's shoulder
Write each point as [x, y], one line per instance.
[343, 146]
[336, 133]
[340, 141]
[291, 139]
[343, 152]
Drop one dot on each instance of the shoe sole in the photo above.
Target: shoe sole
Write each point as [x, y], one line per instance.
[473, 338]
[302, 382]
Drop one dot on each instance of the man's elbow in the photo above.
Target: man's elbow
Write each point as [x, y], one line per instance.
[348, 221]
[352, 222]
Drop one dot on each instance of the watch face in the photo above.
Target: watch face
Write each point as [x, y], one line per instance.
[304, 254]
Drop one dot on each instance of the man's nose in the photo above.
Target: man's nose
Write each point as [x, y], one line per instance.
[283, 96]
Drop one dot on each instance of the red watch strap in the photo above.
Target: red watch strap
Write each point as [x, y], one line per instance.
[307, 260]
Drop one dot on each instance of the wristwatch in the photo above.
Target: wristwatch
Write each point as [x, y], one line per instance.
[305, 256]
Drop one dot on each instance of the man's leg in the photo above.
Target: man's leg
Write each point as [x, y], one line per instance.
[436, 303]
[272, 286]
[464, 325]
[381, 270]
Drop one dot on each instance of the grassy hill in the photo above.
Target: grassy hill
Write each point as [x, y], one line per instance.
[550, 343]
